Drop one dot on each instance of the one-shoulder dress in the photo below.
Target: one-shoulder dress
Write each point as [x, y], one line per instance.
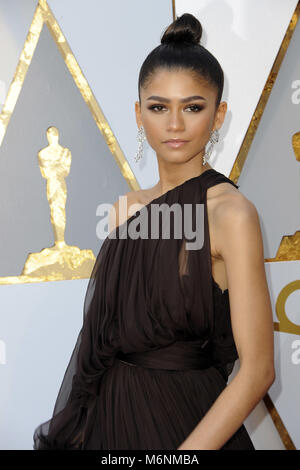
[156, 346]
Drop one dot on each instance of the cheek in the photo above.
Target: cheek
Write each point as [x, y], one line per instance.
[153, 129]
[199, 129]
[201, 121]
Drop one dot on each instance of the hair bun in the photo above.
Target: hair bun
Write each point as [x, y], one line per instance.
[185, 29]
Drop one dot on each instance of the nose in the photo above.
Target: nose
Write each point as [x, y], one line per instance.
[175, 121]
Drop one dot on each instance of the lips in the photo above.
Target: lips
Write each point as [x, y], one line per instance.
[175, 140]
[175, 143]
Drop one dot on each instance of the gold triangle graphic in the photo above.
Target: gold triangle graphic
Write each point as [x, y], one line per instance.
[61, 261]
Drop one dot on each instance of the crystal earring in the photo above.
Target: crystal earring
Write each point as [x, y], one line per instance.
[141, 137]
[214, 137]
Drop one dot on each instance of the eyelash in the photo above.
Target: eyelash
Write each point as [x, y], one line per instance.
[198, 108]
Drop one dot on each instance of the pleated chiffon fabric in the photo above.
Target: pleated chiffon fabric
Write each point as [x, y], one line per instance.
[156, 345]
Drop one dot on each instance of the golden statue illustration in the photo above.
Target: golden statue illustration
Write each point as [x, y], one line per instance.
[55, 163]
[61, 261]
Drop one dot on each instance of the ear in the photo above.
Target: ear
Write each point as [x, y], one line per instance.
[138, 114]
[220, 115]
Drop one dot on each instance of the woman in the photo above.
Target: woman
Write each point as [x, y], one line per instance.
[163, 323]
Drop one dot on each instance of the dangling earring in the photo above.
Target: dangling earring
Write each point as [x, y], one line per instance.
[214, 137]
[141, 137]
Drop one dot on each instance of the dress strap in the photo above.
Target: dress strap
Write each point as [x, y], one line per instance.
[215, 177]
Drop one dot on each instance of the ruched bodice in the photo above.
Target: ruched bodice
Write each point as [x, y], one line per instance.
[156, 346]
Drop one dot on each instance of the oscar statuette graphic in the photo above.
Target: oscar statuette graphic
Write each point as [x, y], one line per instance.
[60, 261]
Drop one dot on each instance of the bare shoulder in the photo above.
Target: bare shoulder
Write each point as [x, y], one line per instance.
[234, 217]
[233, 206]
[224, 199]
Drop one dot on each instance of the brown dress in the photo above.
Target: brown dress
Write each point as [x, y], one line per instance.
[156, 346]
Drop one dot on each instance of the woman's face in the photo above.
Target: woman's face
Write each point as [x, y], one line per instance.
[171, 108]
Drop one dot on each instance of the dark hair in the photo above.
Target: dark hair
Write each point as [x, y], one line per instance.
[180, 48]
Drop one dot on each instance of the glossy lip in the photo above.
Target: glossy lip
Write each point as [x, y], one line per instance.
[175, 143]
[174, 140]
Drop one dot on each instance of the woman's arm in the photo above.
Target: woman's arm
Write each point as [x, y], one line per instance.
[239, 242]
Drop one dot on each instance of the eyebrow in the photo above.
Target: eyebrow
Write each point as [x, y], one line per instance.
[183, 100]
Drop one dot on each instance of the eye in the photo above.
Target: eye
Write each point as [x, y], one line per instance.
[155, 106]
[195, 108]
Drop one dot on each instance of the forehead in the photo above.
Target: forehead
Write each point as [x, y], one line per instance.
[177, 82]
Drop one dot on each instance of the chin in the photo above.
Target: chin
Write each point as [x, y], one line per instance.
[175, 158]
